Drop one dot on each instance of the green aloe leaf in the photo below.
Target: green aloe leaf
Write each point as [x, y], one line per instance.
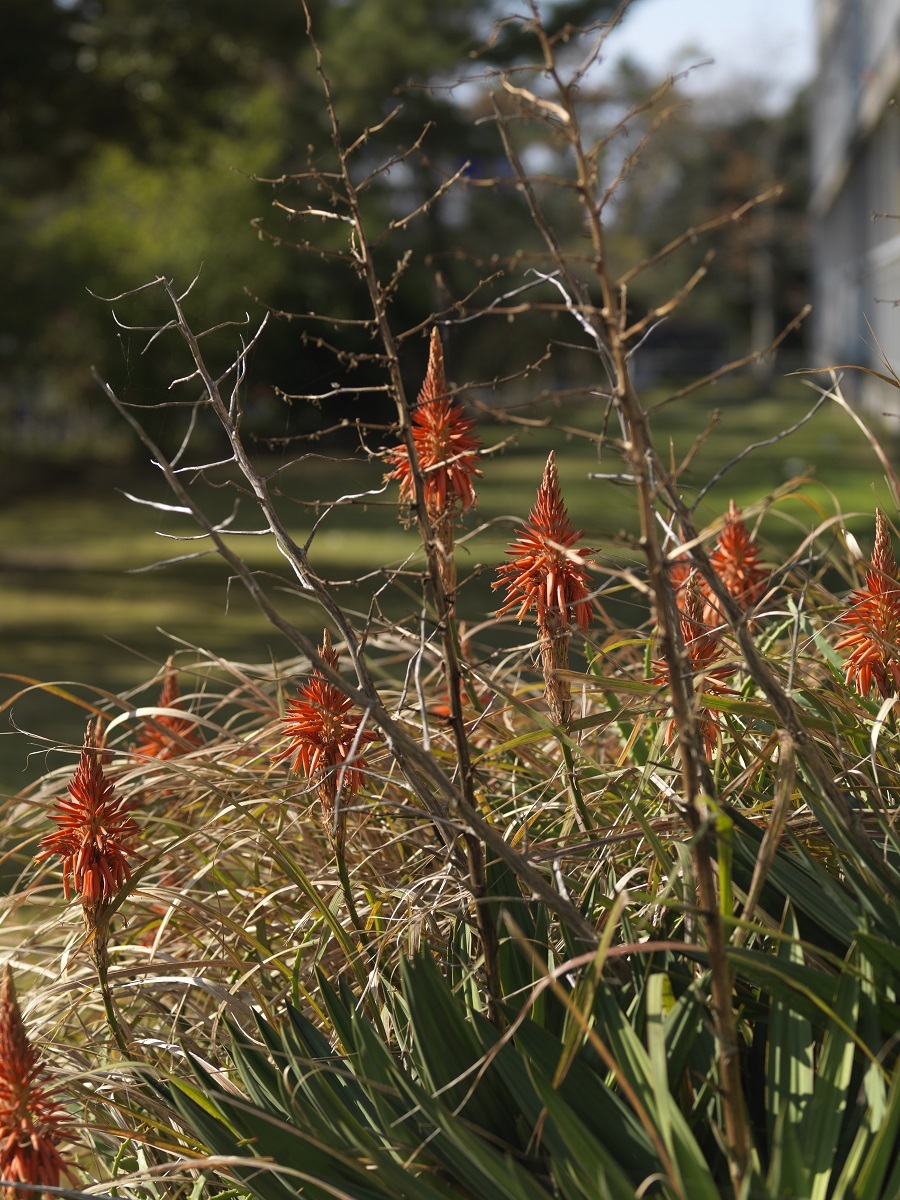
[263, 1083]
[316, 1066]
[375, 1069]
[797, 877]
[317, 1091]
[325, 1157]
[454, 1061]
[486, 1172]
[212, 1121]
[692, 1171]
[809, 991]
[689, 1038]
[874, 1150]
[581, 1157]
[789, 1076]
[833, 1075]
[602, 1110]
[517, 975]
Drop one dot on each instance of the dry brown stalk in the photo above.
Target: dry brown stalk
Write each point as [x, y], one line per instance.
[434, 550]
[649, 478]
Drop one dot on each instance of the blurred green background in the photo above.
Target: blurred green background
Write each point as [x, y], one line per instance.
[138, 140]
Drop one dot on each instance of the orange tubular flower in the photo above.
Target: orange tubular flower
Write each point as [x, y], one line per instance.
[446, 446]
[736, 561]
[703, 649]
[546, 573]
[165, 737]
[679, 572]
[323, 732]
[32, 1121]
[874, 620]
[94, 837]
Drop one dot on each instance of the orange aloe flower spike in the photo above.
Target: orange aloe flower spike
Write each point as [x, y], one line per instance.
[94, 835]
[322, 729]
[165, 737]
[446, 445]
[703, 650]
[874, 621]
[680, 571]
[737, 563]
[32, 1121]
[546, 572]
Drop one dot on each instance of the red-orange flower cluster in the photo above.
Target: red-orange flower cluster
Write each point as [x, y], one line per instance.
[95, 833]
[446, 445]
[704, 650]
[874, 621]
[546, 573]
[737, 563]
[32, 1121]
[680, 570]
[323, 730]
[165, 736]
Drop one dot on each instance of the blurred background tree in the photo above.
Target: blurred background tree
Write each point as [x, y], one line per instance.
[133, 142]
[709, 157]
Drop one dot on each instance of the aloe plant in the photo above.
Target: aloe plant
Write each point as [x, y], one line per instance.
[593, 1089]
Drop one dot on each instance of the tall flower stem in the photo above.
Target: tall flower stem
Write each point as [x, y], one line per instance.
[101, 962]
[609, 323]
[352, 910]
[547, 573]
[554, 650]
[463, 805]
[576, 795]
[434, 465]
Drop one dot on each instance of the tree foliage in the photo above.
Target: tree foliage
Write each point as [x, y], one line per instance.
[135, 139]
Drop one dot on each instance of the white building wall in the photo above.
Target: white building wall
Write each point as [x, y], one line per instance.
[856, 174]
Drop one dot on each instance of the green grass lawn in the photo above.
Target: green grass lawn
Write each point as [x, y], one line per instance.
[74, 610]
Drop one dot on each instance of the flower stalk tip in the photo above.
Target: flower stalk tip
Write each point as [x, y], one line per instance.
[32, 1120]
[447, 452]
[326, 742]
[704, 651]
[873, 621]
[167, 736]
[94, 837]
[736, 560]
[548, 573]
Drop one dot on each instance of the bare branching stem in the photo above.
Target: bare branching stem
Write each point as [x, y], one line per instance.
[435, 550]
[648, 475]
[438, 795]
